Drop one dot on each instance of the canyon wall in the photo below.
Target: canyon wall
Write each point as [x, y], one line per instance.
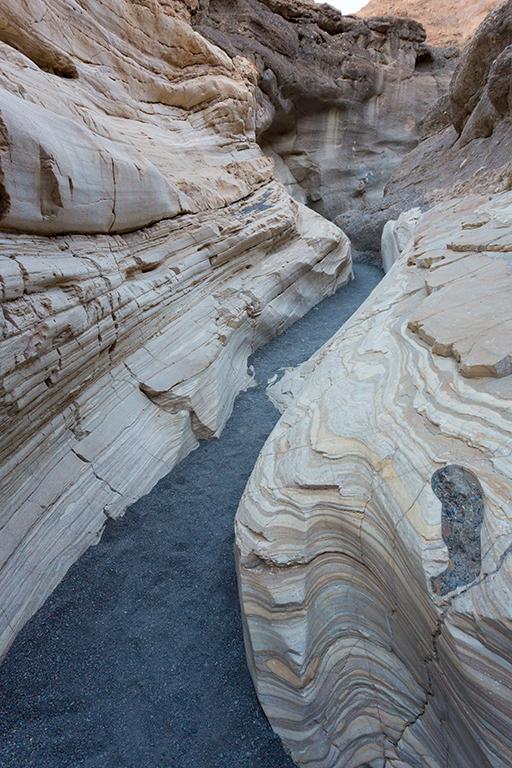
[466, 140]
[340, 99]
[146, 251]
[374, 538]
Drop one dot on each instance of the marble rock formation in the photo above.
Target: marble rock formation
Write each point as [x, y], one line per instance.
[340, 99]
[145, 251]
[374, 538]
[467, 142]
[446, 22]
[396, 235]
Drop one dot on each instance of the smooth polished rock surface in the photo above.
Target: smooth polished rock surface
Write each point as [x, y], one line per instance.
[136, 660]
[378, 617]
[123, 344]
[396, 235]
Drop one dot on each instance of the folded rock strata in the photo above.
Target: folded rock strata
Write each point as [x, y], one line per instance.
[146, 250]
[374, 538]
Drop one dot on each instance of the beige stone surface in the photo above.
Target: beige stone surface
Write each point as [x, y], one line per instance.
[468, 313]
[356, 659]
[450, 22]
[146, 109]
[145, 251]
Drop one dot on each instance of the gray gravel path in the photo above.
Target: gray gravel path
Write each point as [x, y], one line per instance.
[137, 659]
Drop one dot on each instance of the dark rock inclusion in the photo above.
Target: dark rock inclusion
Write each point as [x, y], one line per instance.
[462, 515]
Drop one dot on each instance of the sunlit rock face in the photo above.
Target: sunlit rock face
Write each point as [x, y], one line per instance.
[446, 22]
[340, 99]
[374, 537]
[146, 250]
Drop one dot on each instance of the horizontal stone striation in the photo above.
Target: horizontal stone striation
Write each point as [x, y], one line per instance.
[146, 251]
[356, 660]
[119, 352]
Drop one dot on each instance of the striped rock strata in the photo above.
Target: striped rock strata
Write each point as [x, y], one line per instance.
[145, 252]
[374, 537]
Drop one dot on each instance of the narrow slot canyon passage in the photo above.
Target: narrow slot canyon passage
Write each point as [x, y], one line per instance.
[137, 659]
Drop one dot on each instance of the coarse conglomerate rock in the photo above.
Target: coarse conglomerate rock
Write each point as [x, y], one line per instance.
[374, 537]
[340, 99]
[467, 142]
[146, 250]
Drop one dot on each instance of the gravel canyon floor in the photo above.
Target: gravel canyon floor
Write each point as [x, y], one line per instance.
[136, 660]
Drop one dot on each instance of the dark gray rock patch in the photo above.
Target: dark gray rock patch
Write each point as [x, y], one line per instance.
[462, 516]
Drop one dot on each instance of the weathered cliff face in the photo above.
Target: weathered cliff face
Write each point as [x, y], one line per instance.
[446, 23]
[340, 99]
[467, 141]
[146, 250]
[375, 536]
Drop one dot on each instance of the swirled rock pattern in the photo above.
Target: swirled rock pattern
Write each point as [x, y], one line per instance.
[145, 251]
[378, 621]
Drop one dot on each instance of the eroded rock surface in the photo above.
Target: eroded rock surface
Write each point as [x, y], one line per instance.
[340, 99]
[446, 22]
[146, 250]
[467, 142]
[377, 611]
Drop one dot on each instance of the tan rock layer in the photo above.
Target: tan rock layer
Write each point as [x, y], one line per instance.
[356, 660]
[446, 23]
[151, 111]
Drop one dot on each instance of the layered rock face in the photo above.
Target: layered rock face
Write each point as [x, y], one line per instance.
[146, 250]
[340, 99]
[446, 23]
[374, 538]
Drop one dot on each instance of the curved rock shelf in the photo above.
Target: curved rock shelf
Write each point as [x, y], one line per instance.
[357, 659]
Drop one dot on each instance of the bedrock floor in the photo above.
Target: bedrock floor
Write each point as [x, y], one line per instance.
[137, 659]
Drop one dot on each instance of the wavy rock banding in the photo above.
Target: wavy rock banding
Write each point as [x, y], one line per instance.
[146, 251]
[358, 659]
